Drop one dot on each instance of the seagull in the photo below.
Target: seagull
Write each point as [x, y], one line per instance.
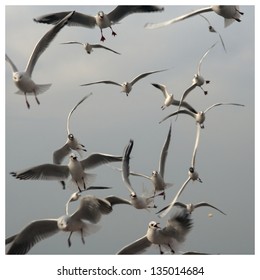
[71, 143]
[101, 19]
[76, 195]
[190, 207]
[169, 98]
[126, 86]
[230, 13]
[213, 30]
[198, 80]
[90, 209]
[74, 169]
[139, 202]
[89, 47]
[22, 79]
[199, 116]
[157, 177]
[170, 236]
[192, 176]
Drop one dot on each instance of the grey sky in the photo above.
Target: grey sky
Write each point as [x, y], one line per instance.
[108, 119]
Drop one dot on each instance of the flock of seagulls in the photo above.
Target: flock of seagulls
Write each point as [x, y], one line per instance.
[85, 219]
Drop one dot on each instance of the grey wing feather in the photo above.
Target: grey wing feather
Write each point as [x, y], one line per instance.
[125, 165]
[168, 209]
[14, 68]
[137, 247]
[168, 22]
[60, 154]
[73, 109]
[184, 104]
[32, 234]
[218, 104]
[91, 208]
[178, 112]
[43, 172]
[103, 47]
[204, 57]
[209, 205]
[139, 175]
[122, 11]
[139, 77]
[78, 19]
[98, 159]
[102, 82]
[117, 200]
[178, 226]
[44, 42]
[196, 145]
[164, 153]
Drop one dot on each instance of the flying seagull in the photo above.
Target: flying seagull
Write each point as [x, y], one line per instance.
[174, 233]
[22, 79]
[228, 12]
[101, 19]
[89, 47]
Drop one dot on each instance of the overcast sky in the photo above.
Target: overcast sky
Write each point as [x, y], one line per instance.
[108, 119]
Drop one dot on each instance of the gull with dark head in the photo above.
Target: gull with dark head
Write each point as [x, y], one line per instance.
[126, 86]
[89, 47]
[23, 79]
[101, 19]
[173, 234]
[230, 13]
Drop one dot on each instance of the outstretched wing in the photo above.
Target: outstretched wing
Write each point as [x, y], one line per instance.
[137, 247]
[44, 42]
[32, 234]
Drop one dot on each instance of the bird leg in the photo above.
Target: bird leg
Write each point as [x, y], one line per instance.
[102, 37]
[171, 249]
[113, 32]
[161, 251]
[205, 91]
[37, 100]
[82, 237]
[27, 103]
[69, 242]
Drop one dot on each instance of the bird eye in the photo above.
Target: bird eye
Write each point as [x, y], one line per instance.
[70, 136]
[191, 169]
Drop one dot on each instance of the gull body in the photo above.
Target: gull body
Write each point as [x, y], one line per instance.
[126, 86]
[101, 19]
[71, 143]
[198, 116]
[23, 79]
[170, 236]
[230, 13]
[157, 177]
[89, 47]
[169, 98]
[75, 169]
